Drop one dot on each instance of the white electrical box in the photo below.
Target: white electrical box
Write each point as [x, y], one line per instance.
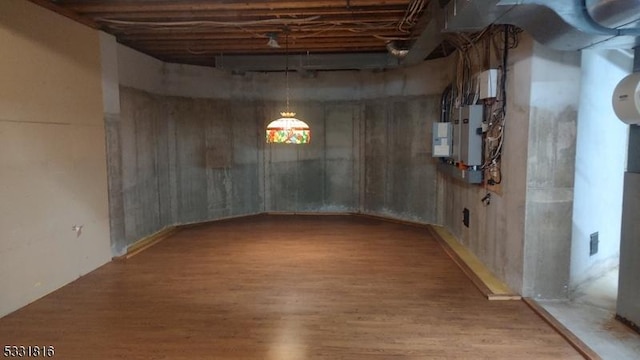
[442, 139]
[487, 84]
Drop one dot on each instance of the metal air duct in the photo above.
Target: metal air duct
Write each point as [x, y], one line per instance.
[564, 25]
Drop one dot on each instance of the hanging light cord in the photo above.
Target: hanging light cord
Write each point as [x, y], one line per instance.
[286, 66]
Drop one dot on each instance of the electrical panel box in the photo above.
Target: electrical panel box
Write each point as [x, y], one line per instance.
[471, 135]
[442, 139]
[455, 133]
[487, 84]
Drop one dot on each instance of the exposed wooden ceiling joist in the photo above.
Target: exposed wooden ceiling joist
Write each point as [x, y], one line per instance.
[122, 6]
[192, 31]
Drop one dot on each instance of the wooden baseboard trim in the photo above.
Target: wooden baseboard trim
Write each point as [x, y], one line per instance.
[391, 220]
[307, 213]
[228, 218]
[570, 337]
[503, 297]
[147, 242]
[487, 283]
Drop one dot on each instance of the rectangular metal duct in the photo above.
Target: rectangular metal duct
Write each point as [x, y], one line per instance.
[563, 25]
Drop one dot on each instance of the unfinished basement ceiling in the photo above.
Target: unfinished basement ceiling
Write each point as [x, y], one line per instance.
[342, 34]
[226, 34]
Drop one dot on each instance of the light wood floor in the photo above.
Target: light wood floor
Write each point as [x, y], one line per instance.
[284, 287]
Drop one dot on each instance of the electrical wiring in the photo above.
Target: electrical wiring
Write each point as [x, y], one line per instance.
[314, 34]
[314, 24]
[474, 53]
[305, 25]
[209, 22]
[411, 15]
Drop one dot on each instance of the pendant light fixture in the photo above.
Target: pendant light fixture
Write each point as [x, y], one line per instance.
[288, 129]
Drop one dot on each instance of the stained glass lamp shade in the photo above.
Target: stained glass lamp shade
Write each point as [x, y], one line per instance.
[288, 130]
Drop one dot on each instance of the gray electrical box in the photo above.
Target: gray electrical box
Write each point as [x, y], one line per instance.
[455, 133]
[471, 134]
[442, 139]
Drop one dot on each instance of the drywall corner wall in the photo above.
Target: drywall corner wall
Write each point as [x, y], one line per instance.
[555, 93]
[52, 154]
[600, 164]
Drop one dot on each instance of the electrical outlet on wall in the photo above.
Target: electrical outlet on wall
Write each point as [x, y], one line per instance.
[593, 244]
[465, 217]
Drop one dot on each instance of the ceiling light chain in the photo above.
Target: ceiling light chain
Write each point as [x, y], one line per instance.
[288, 129]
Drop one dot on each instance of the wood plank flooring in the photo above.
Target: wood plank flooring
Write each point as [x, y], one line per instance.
[284, 287]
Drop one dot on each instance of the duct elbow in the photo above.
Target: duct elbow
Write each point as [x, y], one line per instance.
[395, 51]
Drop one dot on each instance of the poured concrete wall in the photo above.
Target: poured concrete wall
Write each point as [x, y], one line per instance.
[524, 235]
[52, 154]
[399, 172]
[322, 175]
[555, 93]
[188, 145]
[139, 71]
[496, 232]
[598, 185]
[185, 160]
[182, 161]
[145, 173]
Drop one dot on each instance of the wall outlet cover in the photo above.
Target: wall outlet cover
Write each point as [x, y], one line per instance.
[593, 244]
[465, 217]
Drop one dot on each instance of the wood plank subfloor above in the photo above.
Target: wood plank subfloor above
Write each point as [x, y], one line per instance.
[284, 287]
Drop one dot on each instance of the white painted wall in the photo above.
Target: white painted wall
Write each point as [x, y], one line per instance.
[600, 164]
[52, 153]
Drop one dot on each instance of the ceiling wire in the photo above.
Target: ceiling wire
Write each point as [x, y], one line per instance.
[210, 22]
[405, 24]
